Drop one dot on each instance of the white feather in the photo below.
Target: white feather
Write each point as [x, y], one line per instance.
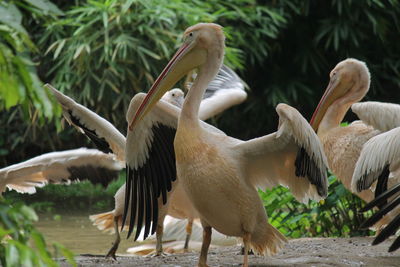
[378, 152]
[53, 166]
[270, 160]
[381, 116]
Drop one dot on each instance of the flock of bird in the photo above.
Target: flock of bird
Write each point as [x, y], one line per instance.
[181, 166]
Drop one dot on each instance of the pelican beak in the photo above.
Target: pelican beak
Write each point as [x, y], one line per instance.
[334, 91]
[185, 59]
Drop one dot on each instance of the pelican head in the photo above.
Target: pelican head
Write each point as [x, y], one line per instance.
[201, 42]
[349, 82]
[175, 97]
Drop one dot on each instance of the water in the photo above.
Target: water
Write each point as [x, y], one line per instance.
[76, 232]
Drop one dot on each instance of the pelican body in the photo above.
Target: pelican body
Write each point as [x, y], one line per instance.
[219, 173]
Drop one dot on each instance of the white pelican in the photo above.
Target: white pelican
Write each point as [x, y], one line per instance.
[60, 167]
[219, 173]
[349, 83]
[224, 91]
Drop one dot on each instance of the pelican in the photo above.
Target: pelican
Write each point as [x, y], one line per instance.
[219, 173]
[60, 167]
[224, 91]
[379, 162]
[349, 83]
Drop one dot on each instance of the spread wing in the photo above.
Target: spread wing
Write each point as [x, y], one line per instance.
[103, 134]
[225, 91]
[381, 116]
[61, 167]
[378, 156]
[151, 166]
[293, 156]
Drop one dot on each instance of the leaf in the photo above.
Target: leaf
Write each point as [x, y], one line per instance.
[12, 254]
[29, 213]
[78, 51]
[59, 48]
[46, 6]
[11, 16]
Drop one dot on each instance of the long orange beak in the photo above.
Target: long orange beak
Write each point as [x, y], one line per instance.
[185, 59]
[334, 91]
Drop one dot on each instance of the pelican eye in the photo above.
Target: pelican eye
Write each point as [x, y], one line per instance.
[173, 94]
[189, 36]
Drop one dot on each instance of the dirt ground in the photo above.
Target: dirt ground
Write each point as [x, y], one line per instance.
[298, 252]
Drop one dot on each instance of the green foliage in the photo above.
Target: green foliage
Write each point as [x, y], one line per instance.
[21, 244]
[336, 216]
[106, 51]
[19, 82]
[316, 36]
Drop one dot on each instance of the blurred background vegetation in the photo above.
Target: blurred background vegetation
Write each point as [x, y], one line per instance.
[103, 52]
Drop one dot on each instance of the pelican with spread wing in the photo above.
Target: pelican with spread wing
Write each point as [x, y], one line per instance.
[224, 91]
[60, 167]
[219, 173]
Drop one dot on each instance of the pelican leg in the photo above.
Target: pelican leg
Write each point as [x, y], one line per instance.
[246, 241]
[204, 246]
[159, 235]
[113, 249]
[188, 234]
[160, 229]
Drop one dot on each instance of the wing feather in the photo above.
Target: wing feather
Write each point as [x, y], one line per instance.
[225, 91]
[151, 166]
[377, 153]
[61, 167]
[105, 136]
[292, 156]
[381, 116]
[392, 206]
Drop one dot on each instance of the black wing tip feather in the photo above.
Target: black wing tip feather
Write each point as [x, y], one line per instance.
[306, 167]
[395, 245]
[151, 181]
[382, 183]
[385, 209]
[393, 226]
[388, 231]
[365, 182]
[100, 143]
[381, 198]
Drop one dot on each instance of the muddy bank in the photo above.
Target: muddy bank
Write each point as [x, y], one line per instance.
[299, 252]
